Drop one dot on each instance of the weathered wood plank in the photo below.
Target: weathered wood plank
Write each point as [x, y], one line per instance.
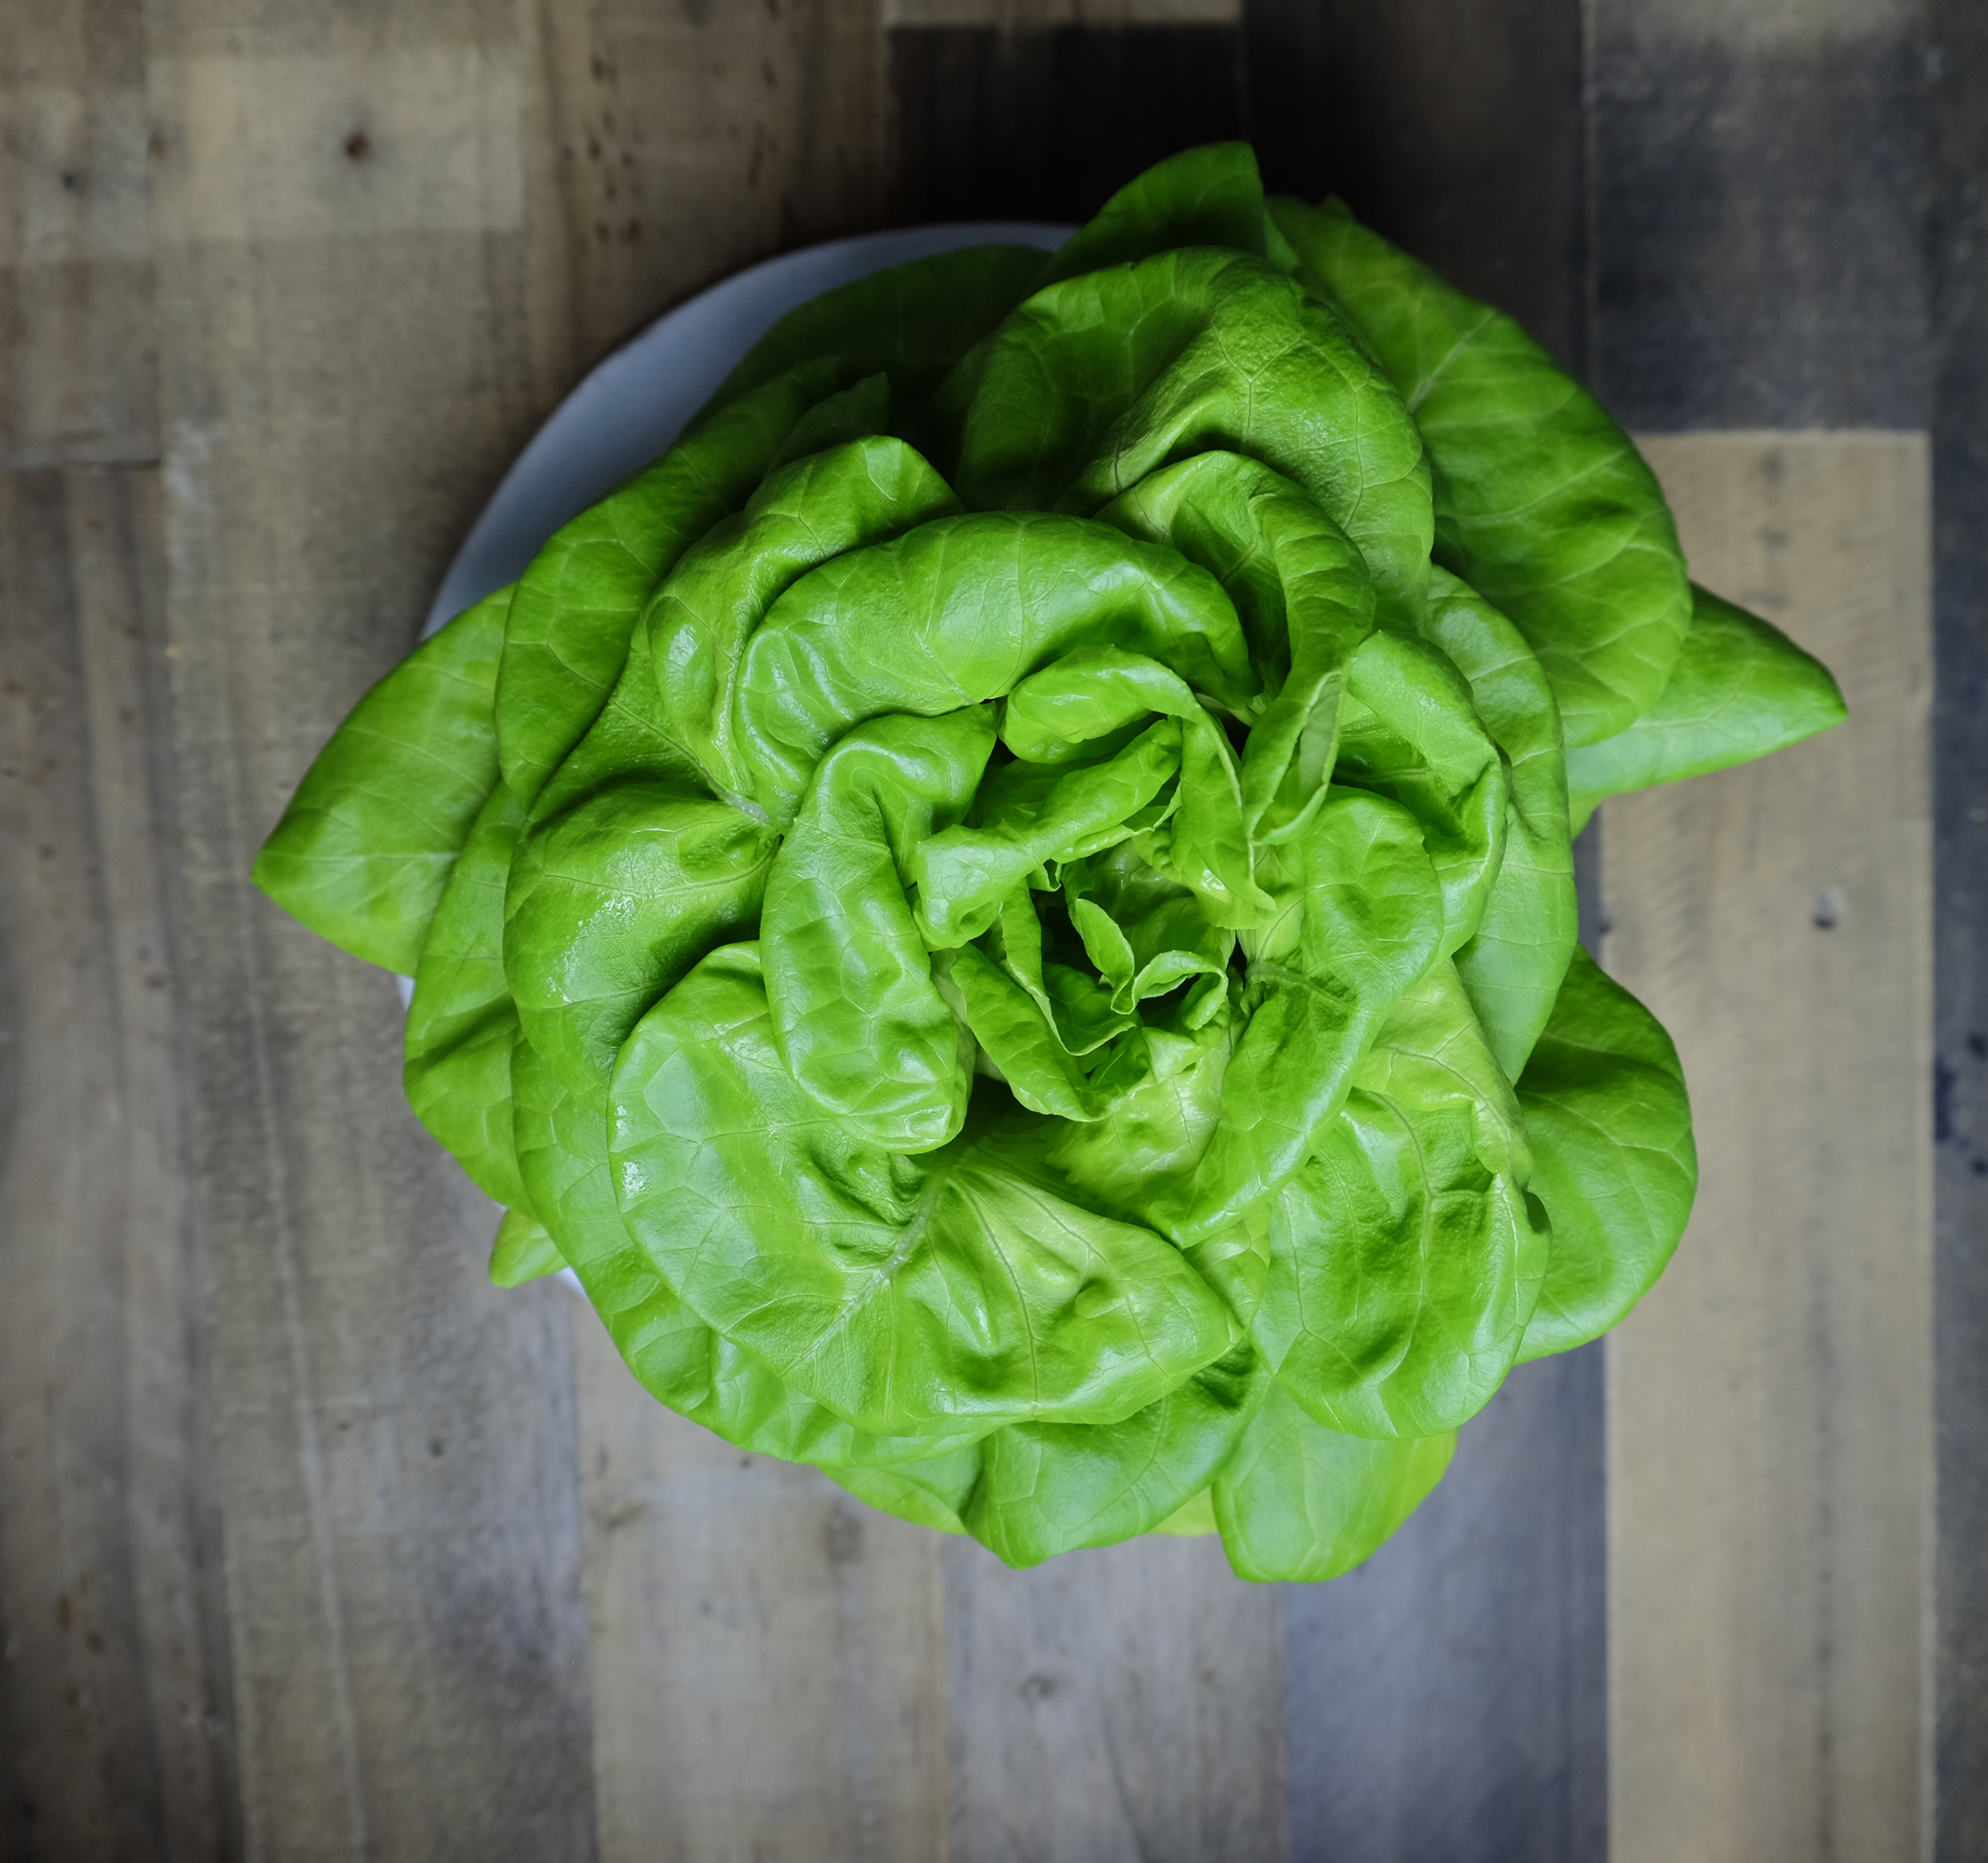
[685, 143]
[1453, 126]
[994, 124]
[769, 1683]
[767, 1660]
[1122, 1703]
[1447, 1698]
[1758, 186]
[1770, 1498]
[115, 1710]
[78, 373]
[342, 257]
[1958, 129]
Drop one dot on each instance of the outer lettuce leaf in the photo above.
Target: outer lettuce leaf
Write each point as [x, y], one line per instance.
[1614, 1161]
[462, 1024]
[1512, 966]
[366, 846]
[1100, 380]
[1299, 1501]
[912, 321]
[1544, 506]
[1208, 197]
[1407, 1257]
[1741, 689]
[577, 603]
[864, 492]
[562, 1145]
[524, 1250]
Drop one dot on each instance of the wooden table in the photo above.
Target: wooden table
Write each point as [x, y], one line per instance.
[312, 1544]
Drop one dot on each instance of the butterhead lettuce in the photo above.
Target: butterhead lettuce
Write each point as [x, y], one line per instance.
[1008, 906]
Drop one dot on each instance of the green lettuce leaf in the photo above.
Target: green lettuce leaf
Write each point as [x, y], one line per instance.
[1297, 1500]
[1544, 505]
[366, 846]
[1741, 689]
[1614, 1161]
[1007, 906]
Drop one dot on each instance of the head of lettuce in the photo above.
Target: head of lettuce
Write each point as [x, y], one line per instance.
[1006, 906]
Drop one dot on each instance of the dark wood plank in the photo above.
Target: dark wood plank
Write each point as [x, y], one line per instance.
[1759, 173]
[1449, 1698]
[1453, 126]
[116, 1723]
[1120, 1703]
[1958, 135]
[678, 144]
[1446, 1698]
[1044, 125]
[343, 260]
[78, 373]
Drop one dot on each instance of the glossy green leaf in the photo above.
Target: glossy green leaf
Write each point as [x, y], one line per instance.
[1045, 1489]
[708, 608]
[1099, 381]
[911, 321]
[1544, 504]
[858, 1020]
[1407, 1256]
[1741, 689]
[958, 612]
[577, 603]
[1614, 1161]
[612, 901]
[524, 1250]
[562, 1146]
[1298, 1501]
[1208, 197]
[462, 1024]
[906, 1294]
[1513, 965]
[366, 846]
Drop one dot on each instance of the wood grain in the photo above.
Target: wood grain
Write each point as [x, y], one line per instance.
[115, 1719]
[1957, 132]
[1124, 1702]
[78, 373]
[1448, 1698]
[769, 1663]
[1769, 1454]
[681, 143]
[1046, 125]
[1757, 188]
[397, 1437]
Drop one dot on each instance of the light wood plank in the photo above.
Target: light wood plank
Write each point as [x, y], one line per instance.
[1770, 1492]
[769, 1684]
[115, 1711]
[78, 374]
[767, 1656]
[1127, 1702]
[397, 1437]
